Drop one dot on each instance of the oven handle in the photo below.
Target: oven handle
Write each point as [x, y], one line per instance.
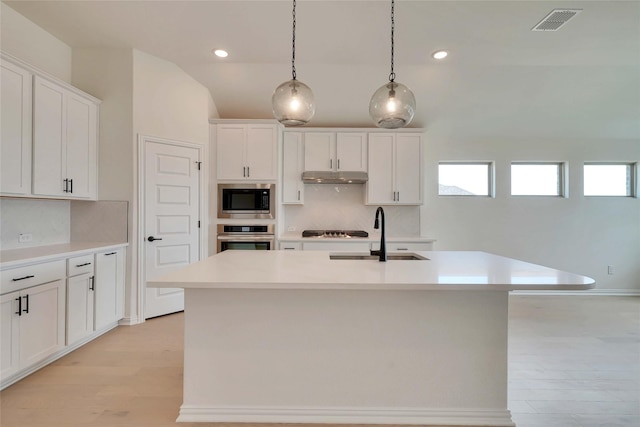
[253, 238]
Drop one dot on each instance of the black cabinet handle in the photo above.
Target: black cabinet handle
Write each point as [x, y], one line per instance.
[92, 286]
[66, 185]
[26, 310]
[19, 312]
[23, 278]
[151, 238]
[110, 253]
[82, 265]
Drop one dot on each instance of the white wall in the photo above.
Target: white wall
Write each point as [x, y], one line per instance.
[27, 41]
[577, 234]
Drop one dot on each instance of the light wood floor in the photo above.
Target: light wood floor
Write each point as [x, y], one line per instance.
[574, 362]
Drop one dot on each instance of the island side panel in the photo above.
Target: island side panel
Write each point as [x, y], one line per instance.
[345, 356]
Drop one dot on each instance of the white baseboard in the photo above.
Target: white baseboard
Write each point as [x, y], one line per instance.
[422, 416]
[590, 292]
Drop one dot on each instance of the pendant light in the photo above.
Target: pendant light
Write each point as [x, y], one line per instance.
[292, 101]
[393, 105]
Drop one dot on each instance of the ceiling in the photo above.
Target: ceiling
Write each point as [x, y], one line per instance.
[501, 78]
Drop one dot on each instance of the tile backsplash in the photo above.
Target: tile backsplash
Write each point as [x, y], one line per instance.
[47, 221]
[342, 206]
[102, 221]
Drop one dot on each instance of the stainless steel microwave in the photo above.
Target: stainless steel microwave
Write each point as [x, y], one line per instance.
[246, 201]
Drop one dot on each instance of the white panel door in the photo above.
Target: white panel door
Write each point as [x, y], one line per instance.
[319, 151]
[81, 146]
[15, 131]
[42, 324]
[230, 141]
[351, 151]
[10, 334]
[49, 136]
[381, 186]
[172, 206]
[408, 167]
[261, 152]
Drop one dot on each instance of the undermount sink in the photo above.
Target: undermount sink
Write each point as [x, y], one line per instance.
[390, 257]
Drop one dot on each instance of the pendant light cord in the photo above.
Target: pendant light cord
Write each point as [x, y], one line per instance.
[293, 44]
[392, 75]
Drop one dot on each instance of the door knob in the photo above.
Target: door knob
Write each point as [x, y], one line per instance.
[151, 238]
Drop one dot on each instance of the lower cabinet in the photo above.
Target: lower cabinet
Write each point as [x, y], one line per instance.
[33, 326]
[109, 288]
[80, 298]
[45, 312]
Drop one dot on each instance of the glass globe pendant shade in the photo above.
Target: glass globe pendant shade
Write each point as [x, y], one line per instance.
[392, 106]
[293, 103]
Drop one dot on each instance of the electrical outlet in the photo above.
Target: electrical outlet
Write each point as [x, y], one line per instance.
[25, 237]
[291, 228]
[610, 270]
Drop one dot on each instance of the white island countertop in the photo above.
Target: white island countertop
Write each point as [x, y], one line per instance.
[443, 270]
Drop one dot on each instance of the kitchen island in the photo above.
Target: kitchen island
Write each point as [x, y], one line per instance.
[295, 336]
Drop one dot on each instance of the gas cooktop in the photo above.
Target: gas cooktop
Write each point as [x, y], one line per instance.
[345, 234]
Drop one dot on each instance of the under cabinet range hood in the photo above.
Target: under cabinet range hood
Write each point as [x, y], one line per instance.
[330, 177]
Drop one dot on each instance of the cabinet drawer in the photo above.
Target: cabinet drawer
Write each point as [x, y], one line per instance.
[295, 246]
[337, 246]
[80, 265]
[24, 277]
[402, 246]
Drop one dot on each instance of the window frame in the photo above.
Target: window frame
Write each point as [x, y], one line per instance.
[632, 178]
[563, 187]
[491, 177]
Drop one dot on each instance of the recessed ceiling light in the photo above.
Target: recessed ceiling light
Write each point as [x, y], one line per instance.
[440, 54]
[221, 53]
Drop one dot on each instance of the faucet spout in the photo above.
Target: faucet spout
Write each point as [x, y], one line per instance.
[382, 253]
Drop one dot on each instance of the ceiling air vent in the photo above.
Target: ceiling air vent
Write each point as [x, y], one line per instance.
[556, 19]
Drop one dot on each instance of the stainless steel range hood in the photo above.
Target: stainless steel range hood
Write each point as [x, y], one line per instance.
[328, 177]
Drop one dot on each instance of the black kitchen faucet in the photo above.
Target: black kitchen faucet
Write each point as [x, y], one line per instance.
[382, 253]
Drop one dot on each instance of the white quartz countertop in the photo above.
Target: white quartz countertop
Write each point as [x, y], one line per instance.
[444, 270]
[18, 257]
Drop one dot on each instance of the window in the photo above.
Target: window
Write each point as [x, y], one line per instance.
[465, 179]
[609, 179]
[537, 179]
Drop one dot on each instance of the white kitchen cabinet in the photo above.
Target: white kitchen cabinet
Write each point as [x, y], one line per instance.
[15, 132]
[246, 151]
[335, 151]
[350, 246]
[292, 167]
[80, 298]
[33, 325]
[290, 246]
[109, 288]
[65, 135]
[395, 169]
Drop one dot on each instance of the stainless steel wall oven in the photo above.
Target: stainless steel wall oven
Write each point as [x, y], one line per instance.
[246, 237]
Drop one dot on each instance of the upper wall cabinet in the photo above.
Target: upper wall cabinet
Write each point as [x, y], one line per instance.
[49, 136]
[15, 139]
[65, 135]
[335, 151]
[246, 151]
[395, 169]
[292, 188]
